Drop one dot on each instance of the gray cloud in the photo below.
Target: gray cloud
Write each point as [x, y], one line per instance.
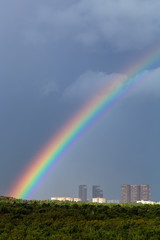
[123, 25]
[149, 83]
[34, 37]
[90, 83]
[49, 88]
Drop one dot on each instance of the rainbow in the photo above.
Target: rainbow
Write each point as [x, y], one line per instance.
[58, 146]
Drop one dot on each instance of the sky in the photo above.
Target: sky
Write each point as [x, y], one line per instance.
[55, 56]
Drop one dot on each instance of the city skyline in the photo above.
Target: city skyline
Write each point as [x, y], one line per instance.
[133, 193]
[130, 193]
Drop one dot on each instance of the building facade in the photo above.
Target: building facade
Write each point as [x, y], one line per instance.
[97, 192]
[125, 193]
[83, 193]
[65, 199]
[145, 192]
[133, 193]
[99, 200]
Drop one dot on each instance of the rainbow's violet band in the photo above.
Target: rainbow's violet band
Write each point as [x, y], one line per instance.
[60, 143]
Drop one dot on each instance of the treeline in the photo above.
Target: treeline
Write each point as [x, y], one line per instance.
[47, 220]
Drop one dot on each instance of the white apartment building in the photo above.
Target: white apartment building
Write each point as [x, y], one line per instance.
[66, 199]
[113, 201]
[77, 199]
[146, 202]
[99, 200]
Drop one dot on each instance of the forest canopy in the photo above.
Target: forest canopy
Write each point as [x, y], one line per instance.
[54, 220]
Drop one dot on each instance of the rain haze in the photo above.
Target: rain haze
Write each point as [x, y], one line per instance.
[55, 56]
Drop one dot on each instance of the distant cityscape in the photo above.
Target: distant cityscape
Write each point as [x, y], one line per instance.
[134, 193]
[129, 194]
[97, 195]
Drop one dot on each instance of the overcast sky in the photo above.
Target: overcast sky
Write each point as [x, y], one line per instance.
[54, 56]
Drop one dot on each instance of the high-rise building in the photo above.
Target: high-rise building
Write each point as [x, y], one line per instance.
[125, 193]
[83, 192]
[134, 193]
[145, 193]
[97, 192]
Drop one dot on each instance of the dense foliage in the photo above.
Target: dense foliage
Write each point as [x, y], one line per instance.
[21, 219]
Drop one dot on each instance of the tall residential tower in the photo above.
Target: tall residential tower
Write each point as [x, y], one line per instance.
[134, 193]
[125, 193]
[97, 192]
[83, 192]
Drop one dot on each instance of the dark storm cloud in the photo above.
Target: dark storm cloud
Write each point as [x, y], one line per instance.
[124, 25]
